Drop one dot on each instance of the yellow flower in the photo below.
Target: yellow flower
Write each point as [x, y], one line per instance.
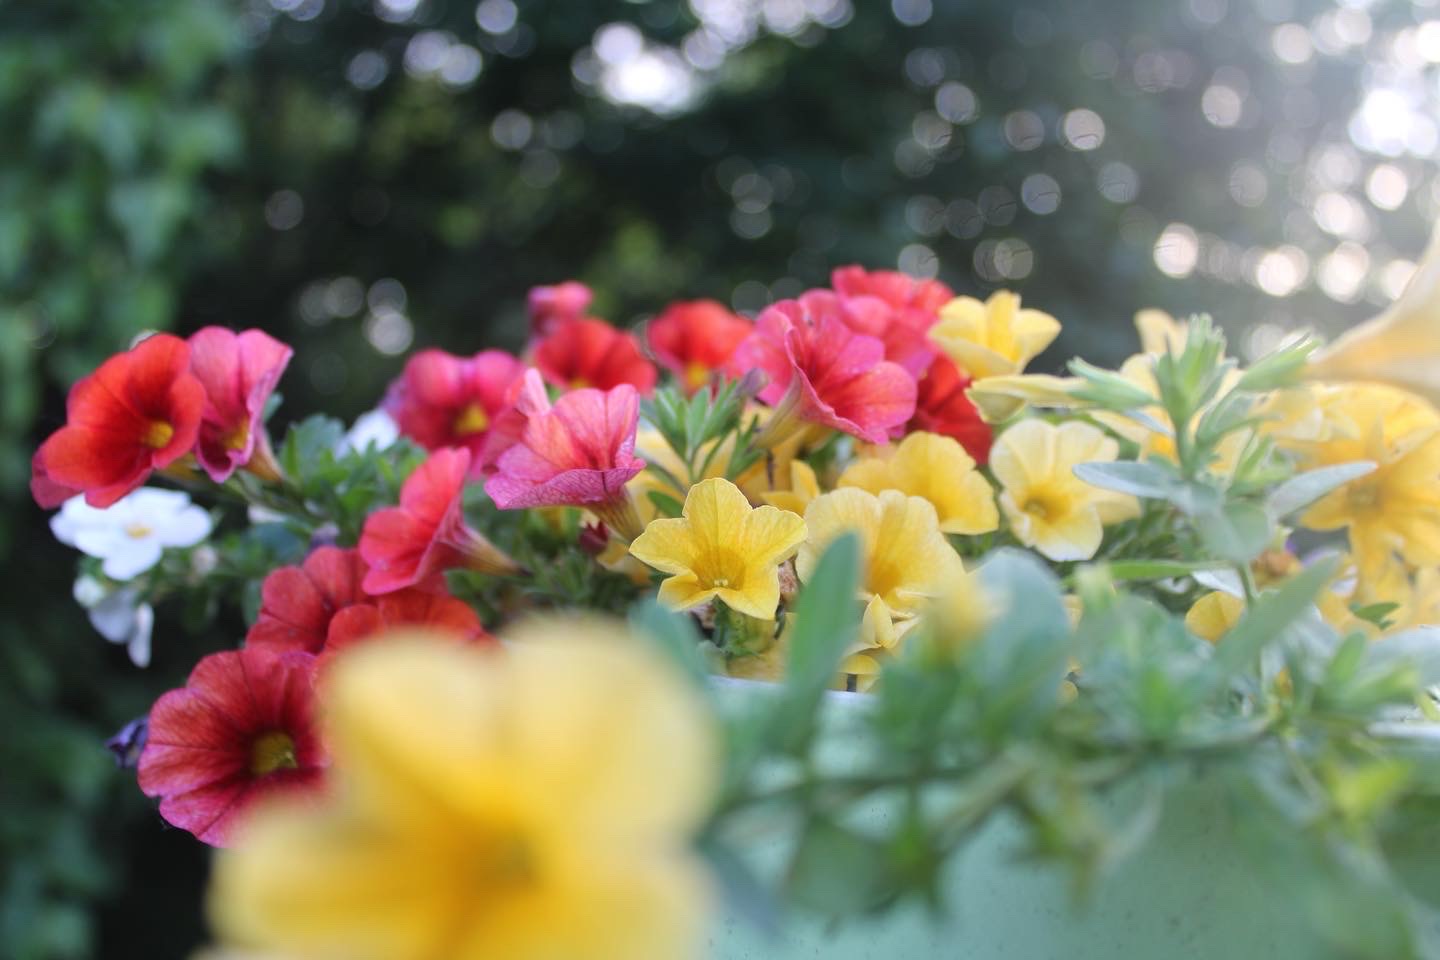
[1159, 332]
[1048, 507]
[721, 547]
[535, 803]
[993, 338]
[1000, 398]
[904, 556]
[804, 487]
[1401, 346]
[1214, 615]
[938, 469]
[1395, 509]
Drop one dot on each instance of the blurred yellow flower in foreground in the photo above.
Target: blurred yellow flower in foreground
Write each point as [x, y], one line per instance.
[1401, 346]
[904, 557]
[938, 469]
[721, 547]
[531, 804]
[1048, 506]
[993, 338]
[1395, 509]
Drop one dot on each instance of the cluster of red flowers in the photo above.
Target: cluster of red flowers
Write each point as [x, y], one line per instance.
[163, 400]
[856, 358]
[243, 727]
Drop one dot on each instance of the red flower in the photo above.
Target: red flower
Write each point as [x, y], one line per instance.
[242, 728]
[590, 353]
[550, 307]
[239, 371]
[321, 604]
[140, 411]
[692, 340]
[443, 400]
[404, 608]
[894, 307]
[822, 371]
[942, 407]
[427, 534]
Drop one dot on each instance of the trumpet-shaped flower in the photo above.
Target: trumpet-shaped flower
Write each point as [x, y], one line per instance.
[321, 605]
[999, 398]
[1396, 508]
[993, 338]
[721, 547]
[132, 533]
[822, 372]
[904, 556]
[427, 533]
[586, 352]
[804, 487]
[1047, 505]
[694, 340]
[242, 728]
[139, 411]
[942, 406]
[939, 470]
[550, 307]
[239, 372]
[535, 803]
[441, 400]
[1401, 346]
[579, 452]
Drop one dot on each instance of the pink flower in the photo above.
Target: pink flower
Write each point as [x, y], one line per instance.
[442, 400]
[822, 371]
[580, 452]
[552, 306]
[897, 309]
[591, 353]
[427, 533]
[239, 371]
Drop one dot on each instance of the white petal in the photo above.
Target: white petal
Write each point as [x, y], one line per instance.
[132, 557]
[114, 617]
[101, 541]
[88, 591]
[139, 645]
[184, 529]
[375, 428]
[153, 503]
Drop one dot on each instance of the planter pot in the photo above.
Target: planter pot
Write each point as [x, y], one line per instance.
[1188, 893]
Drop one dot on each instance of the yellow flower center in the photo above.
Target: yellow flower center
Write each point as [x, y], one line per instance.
[1363, 496]
[237, 438]
[721, 567]
[579, 383]
[137, 531]
[473, 419]
[696, 374]
[1045, 505]
[158, 434]
[273, 751]
[505, 860]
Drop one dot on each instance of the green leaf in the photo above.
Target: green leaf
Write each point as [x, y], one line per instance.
[666, 504]
[1238, 532]
[1269, 616]
[1158, 569]
[1305, 488]
[675, 635]
[836, 871]
[826, 620]
[1151, 479]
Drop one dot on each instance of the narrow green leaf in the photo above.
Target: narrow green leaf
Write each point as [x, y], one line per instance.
[1269, 616]
[1152, 480]
[1159, 569]
[666, 504]
[1238, 532]
[1305, 488]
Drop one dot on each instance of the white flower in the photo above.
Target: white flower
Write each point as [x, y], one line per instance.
[121, 618]
[376, 428]
[131, 534]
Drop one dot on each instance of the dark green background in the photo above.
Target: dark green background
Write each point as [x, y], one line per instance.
[145, 140]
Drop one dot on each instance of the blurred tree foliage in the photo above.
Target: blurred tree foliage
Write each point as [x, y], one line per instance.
[360, 178]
